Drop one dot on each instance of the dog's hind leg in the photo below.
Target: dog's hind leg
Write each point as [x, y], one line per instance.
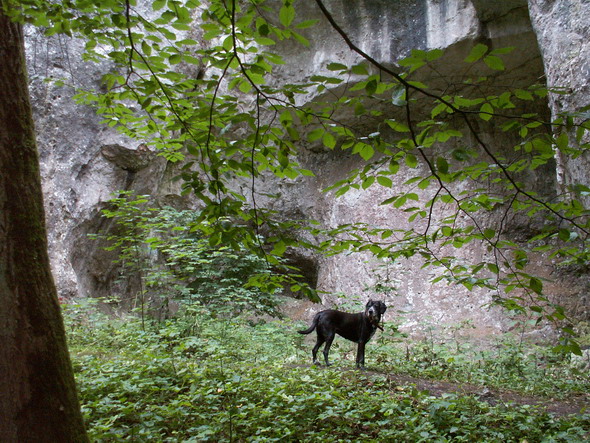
[314, 352]
[329, 340]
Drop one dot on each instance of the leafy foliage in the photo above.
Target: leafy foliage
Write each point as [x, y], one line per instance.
[173, 261]
[228, 381]
[212, 104]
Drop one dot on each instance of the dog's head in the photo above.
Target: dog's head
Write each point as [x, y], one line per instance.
[374, 309]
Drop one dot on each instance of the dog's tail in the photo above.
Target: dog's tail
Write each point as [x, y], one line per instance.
[314, 323]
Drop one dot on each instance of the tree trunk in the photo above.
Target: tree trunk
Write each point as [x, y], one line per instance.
[38, 400]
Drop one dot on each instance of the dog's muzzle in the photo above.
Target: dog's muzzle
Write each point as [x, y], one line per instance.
[374, 317]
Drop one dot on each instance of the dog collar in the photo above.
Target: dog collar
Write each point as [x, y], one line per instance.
[377, 325]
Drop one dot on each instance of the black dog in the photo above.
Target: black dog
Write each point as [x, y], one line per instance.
[358, 328]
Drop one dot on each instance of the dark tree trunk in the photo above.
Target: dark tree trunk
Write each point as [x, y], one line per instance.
[38, 400]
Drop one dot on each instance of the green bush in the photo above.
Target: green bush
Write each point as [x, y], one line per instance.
[173, 261]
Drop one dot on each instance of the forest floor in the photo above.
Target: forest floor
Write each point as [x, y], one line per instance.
[232, 378]
[575, 404]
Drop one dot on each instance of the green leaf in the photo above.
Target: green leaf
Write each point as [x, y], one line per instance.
[343, 190]
[279, 248]
[466, 102]
[300, 39]
[158, 4]
[371, 87]
[447, 231]
[574, 347]
[245, 87]
[494, 62]
[505, 50]
[397, 126]
[174, 59]
[523, 94]
[336, 67]
[520, 259]
[328, 140]
[564, 234]
[316, 134]
[257, 79]
[286, 117]
[442, 165]
[388, 201]
[417, 84]
[434, 54]
[264, 41]
[412, 62]
[210, 35]
[384, 181]
[476, 53]
[228, 43]
[359, 69]
[146, 48]
[400, 201]
[562, 142]
[368, 181]
[286, 15]
[306, 24]
[536, 285]
[424, 183]
[411, 160]
[365, 150]
[485, 111]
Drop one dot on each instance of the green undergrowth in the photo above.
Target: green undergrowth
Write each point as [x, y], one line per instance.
[197, 378]
[506, 363]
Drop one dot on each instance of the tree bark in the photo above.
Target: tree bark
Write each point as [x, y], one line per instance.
[38, 400]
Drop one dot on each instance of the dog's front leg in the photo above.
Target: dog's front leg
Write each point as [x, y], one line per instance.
[360, 355]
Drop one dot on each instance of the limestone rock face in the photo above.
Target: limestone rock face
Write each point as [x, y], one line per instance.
[128, 159]
[84, 162]
[562, 28]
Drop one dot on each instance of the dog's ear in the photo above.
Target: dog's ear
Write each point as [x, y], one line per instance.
[382, 307]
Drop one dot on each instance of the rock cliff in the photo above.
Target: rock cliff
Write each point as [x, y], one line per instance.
[84, 162]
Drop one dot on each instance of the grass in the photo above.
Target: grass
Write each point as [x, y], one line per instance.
[507, 364]
[201, 379]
